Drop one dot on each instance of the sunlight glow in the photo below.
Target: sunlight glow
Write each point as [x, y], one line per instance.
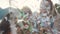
[34, 5]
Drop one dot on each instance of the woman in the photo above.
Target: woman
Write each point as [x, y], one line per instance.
[5, 25]
[47, 5]
[46, 8]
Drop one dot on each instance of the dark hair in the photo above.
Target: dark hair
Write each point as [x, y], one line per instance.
[8, 16]
[51, 4]
[5, 26]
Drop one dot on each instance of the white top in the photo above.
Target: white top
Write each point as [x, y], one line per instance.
[13, 27]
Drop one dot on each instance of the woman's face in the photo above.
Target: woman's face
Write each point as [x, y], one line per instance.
[46, 3]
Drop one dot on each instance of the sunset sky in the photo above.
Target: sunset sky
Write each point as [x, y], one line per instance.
[32, 4]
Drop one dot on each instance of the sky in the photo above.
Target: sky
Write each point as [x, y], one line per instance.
[34, 5]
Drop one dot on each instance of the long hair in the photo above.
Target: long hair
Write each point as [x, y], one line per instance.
[51, 4]
[5, 25]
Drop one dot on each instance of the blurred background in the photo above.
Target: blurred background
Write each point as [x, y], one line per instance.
[27, 9]
[34, 5]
